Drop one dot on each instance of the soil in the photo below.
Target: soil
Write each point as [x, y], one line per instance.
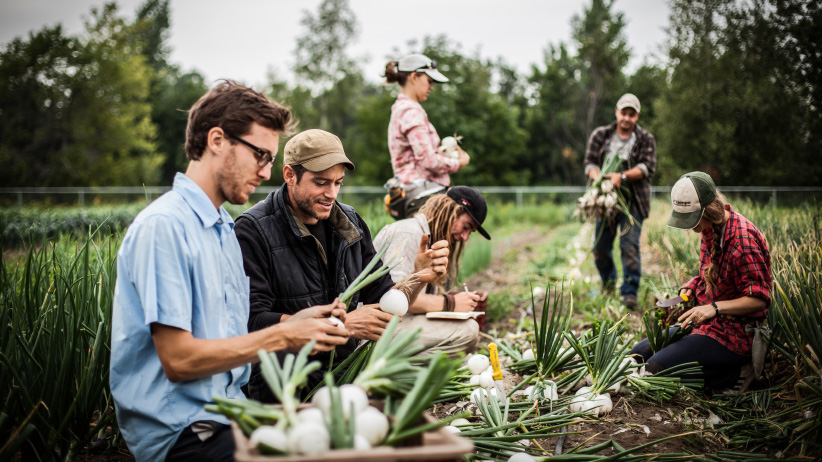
[631, 423]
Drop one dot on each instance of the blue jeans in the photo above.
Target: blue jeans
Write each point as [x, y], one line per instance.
[628, 245]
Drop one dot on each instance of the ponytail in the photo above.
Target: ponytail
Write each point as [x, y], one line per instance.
[715, 214]
[392, 75]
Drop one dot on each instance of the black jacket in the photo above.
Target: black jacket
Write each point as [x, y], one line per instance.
[289, 269]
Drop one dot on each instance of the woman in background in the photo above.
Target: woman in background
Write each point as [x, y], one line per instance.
[412, 140]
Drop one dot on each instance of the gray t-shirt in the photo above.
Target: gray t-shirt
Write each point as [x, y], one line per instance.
[620, 147]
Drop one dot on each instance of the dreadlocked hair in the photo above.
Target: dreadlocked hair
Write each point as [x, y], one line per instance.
[441, 212]
[715, 214]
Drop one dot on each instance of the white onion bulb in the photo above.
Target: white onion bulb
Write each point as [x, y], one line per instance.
[474, 381]
[451, 429]
[309, 438]
[311, 414]
[478, 363]
[361, 444]
[528, 354]
[353, 394]
[271, 437]
[521, 457]
[460, 422]
[372, 424]
[486, 380]
[395, 302]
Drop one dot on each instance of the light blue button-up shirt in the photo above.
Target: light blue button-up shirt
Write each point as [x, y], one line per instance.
[179, 265]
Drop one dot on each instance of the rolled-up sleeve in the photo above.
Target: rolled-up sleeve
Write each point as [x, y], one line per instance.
[752, 273]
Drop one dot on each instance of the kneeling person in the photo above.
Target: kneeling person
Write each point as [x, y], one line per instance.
[452, 217]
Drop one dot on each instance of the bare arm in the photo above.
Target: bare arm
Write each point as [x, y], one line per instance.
[185, 357]
[463, 302]
[739, 307]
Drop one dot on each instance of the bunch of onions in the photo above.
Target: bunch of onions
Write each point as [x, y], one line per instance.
[448, 146]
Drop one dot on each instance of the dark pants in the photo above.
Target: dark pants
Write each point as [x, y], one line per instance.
[720, 366]
[604, 236]
[219, 447]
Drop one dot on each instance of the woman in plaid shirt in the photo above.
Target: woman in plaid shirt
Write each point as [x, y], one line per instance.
[731, 292]
[412, 139]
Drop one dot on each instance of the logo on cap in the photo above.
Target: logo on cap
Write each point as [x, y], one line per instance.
[465, 202]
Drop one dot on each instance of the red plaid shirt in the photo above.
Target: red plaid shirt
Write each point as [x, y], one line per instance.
[744, 271]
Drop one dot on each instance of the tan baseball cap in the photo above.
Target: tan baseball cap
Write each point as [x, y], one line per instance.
[316, 150]
[628, 100]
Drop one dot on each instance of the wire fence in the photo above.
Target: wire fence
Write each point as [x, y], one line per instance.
[82, 195]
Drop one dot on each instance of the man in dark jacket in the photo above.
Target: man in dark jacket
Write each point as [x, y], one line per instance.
[636, 148]
[302, 248]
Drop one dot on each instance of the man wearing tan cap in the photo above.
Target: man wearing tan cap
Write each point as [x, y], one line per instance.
[636, 149]
[302, 248]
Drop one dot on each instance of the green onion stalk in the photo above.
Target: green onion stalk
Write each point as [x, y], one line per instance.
[284, 381]
[364, 278]
[550, 357]
[603, 356]
[657, 330]
[663, 385]
[406, 413]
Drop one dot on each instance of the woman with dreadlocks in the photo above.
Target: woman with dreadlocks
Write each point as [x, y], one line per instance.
[731, 291]
[452, 216]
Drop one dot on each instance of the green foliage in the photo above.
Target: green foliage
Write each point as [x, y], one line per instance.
[728, 94]
[17, 226]
[76, 110]
[55, 332]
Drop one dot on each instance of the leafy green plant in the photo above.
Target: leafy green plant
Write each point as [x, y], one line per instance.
[55, 329]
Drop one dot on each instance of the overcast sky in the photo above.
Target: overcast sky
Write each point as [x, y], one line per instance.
[243, 40]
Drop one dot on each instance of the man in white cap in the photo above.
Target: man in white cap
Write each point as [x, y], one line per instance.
[636, 149]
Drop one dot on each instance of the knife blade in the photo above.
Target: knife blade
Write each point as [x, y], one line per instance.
[672, 301]
[497, 375]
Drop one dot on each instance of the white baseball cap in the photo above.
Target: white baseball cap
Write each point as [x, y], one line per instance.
[628, 100]
[421, 63]
[690, 195]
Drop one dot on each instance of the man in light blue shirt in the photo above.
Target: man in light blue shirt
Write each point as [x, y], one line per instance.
[181, 305]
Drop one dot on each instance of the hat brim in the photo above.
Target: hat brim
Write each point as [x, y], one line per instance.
[435, 74]
[630, 105]
[480, 229]
[327, 161]
[688, 220]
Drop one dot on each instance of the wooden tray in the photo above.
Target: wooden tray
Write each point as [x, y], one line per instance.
[437, 445]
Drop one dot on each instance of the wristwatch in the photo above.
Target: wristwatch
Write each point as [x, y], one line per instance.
[624, 177]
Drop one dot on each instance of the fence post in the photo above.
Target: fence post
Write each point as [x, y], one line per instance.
[81, 197]
[19, 200]
[773, 198]
[519, 199]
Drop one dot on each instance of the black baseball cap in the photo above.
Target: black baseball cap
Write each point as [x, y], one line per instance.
[474, 204]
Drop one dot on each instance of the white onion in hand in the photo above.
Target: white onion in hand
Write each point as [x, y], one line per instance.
[395, 302]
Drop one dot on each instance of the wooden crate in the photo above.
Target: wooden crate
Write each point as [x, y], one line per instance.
[437, 445]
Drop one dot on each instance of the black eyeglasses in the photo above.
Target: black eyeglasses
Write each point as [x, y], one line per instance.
[263, 156]
[431, 65]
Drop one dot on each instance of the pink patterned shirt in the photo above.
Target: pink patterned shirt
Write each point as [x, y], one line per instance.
[413, 143]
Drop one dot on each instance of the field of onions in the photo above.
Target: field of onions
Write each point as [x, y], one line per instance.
[566, 390]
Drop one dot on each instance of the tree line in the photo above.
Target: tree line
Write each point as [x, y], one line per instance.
[738, 94]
